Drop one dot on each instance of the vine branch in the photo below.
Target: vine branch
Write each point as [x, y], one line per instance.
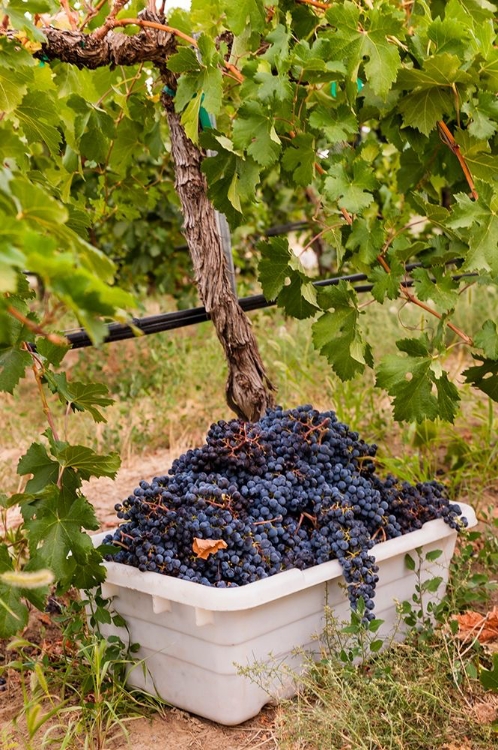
[36, 328]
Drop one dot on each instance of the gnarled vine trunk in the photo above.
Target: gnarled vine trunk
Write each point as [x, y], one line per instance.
[248, 389]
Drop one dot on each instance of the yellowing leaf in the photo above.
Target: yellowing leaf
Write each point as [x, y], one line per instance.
[205, 547]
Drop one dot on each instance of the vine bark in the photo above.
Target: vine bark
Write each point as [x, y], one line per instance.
[248, 390]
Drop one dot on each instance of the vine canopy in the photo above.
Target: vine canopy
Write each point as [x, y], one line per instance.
[383, 115]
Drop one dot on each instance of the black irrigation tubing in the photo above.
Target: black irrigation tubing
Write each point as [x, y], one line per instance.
[183, 318]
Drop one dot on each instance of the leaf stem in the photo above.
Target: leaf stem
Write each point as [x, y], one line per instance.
[315, 4]
[112, 23]
[411, 298]
[52, 337]
[38, 369]
[448, 140]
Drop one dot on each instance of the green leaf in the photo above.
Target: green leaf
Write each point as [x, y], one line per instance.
[367, 238]
[487, 339]
[13, 87]
[481, 218]
[245, 14]
[337, 125]
[337, 335]
[369, 36]
[13, 363]
[52, 353]
[489, 677]
[387, 284]
[185, 60]
[36, 461]
[436, 286]
[36, 206]
[410, 562]
[350, 190]
[56, 531]
[272, 87]
[274, 266]
[299, 159]
[81, 396]
[295, 298]
[253, 130]
[411, 381]
[438, 70]
[432, 584]
[125, 146]
[38, 116]
[484, 376]
[483, 114]
[423, 108]
[435, 554]
[13, 613]
[482, 164]
[88, 463]
[376, 645]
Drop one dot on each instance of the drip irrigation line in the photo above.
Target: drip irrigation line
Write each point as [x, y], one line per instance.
[183, 318]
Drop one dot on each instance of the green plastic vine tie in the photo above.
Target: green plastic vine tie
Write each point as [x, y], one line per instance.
[333, 87]
[204, 118]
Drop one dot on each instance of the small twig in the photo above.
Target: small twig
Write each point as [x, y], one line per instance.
[92, 12]
[270, 520]
[38, 370]
[347, 216]
[315, 4]
[52, 337]
[449, 141]
[112, 23]
[411, 298]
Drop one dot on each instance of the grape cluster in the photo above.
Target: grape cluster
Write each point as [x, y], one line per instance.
[296, 489]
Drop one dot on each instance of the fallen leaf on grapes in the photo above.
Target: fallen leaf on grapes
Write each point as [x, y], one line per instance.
[205, 547]
[476, 625]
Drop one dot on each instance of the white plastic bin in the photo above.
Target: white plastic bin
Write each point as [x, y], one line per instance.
[194, 638]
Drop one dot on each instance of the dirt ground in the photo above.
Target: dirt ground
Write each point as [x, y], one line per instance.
[172, 729]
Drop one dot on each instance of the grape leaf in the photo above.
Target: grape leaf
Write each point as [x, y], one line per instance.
[81, 396]
[411, 381]
[482, 164]
[88, 463]
[483, 114]
[439, 70]
[274, 266]
[487, 339]
[53, 353]
[481, 218]
[387, 284]
[299, 158]
[56, 531]
[370, 40]
[350, 190]
[436, 286]
[423, 108]
[298, 298]
[13, 363]
[337, 125]
[484, 376]
[367, 238]
[244, 14]
[254, 131]
[36, 461]
[337, 335]
[38, 116]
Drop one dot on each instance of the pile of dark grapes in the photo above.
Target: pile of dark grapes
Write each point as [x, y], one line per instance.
[293, 490]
